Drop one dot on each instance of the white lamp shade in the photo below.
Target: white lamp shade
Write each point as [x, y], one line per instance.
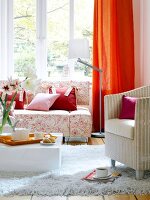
[79, 48]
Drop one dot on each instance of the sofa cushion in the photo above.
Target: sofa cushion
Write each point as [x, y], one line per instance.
[49, 121]
[75, 123]
[80, 123]
[121, 127]
[37, 112]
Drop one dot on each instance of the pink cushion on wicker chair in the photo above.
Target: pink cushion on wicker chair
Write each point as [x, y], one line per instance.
[128, 107]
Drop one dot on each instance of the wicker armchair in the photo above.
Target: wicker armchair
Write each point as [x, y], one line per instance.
[128, 141]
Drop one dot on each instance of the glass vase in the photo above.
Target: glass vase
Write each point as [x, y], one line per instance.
[5, 117]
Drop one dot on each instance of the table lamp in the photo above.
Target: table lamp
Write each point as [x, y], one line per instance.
[79, 48]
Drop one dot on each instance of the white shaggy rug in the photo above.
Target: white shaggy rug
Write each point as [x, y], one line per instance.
[77, 161]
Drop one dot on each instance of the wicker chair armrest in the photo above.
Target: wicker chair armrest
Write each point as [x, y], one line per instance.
[142, 131]
[142, 117]
[112, 105]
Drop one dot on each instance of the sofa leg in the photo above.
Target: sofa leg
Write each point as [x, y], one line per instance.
[113, 163]
[139, 174]
[87, 140]
[64, 140]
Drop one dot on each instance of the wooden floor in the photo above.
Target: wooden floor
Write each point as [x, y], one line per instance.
[112, 197]
[106, 197]
[92, 141]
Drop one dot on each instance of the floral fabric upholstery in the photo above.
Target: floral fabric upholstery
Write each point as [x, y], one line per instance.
[50, 121]
[80, 123]
[76, 123]
[82, 91]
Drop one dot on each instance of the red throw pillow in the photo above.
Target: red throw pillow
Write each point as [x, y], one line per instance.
[19, 103]
[64, 102]
[128, 107]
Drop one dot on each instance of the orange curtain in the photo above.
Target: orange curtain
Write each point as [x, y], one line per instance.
[113, 50]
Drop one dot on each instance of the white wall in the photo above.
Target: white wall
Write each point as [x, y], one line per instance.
[141, 12]
[136, 18]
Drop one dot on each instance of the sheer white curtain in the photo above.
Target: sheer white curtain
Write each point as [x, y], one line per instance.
[141, 12]
[6, 39]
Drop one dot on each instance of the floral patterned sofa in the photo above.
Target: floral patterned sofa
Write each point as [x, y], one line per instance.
[76, 123]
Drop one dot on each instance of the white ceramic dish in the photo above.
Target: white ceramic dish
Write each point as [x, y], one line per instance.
[103, 178]
[42, 143]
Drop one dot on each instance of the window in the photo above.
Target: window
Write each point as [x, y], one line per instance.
[36, 34]
[24, 35]
[57, 36]
[83, 28]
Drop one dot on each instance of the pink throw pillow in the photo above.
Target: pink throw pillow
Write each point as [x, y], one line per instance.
[128, 107]
[42, 101]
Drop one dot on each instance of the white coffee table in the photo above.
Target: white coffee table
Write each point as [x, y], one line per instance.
[34, 157]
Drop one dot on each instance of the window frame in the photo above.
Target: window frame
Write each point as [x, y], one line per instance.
[41, 38]
[7, 38]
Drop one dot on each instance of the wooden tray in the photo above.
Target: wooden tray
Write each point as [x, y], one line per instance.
[8, 140]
